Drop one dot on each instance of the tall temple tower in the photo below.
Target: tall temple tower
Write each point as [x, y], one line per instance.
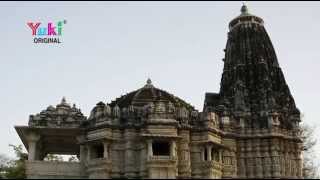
[250, 129]
[262, 116]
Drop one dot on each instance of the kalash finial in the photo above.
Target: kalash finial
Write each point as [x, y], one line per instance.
[149, 84]
[63, 101]
[244, 8]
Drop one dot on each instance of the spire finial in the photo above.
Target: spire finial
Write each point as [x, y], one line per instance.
[149, 84]
[63, 101]
[244, 8]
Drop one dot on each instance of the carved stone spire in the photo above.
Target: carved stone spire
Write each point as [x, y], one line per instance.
[252, 79]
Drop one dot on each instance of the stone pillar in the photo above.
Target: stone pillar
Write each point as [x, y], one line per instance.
[209, 149]
[150, 152]
[88, 153]
[202, 153]
[130, 166]
[83, 149]
[184, 168]
[173, 149]
[32, 138]
[105, 149]
[143, 160]
[83, 153]
[220, 155]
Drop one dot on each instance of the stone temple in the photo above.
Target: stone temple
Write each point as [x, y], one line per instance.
[250, 129]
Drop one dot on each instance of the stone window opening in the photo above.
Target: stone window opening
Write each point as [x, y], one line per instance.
[97, 151]
[161, 148]
[205, 154]
[50, 157]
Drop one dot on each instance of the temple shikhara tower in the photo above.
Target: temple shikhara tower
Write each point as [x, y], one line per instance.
[250, 129]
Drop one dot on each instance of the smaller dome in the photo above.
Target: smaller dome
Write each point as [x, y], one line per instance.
[62, 116]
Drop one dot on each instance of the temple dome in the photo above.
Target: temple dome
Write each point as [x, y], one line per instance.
[149, 94]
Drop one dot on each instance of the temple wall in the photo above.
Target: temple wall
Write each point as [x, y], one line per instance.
[54, 170]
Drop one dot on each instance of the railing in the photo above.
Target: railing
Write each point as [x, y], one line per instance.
[171, 158]
[212, 164]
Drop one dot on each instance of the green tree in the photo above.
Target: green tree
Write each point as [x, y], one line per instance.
[3, 164]
[15, 169]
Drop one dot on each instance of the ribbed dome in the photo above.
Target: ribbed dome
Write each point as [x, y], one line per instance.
[147, 94]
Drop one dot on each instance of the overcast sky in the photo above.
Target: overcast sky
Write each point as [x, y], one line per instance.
[111, 48]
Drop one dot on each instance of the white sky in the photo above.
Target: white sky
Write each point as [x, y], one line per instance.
[111, 48]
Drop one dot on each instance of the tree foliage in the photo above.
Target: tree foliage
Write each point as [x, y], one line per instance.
[53, 157]
[310, 168]
[14, 168]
